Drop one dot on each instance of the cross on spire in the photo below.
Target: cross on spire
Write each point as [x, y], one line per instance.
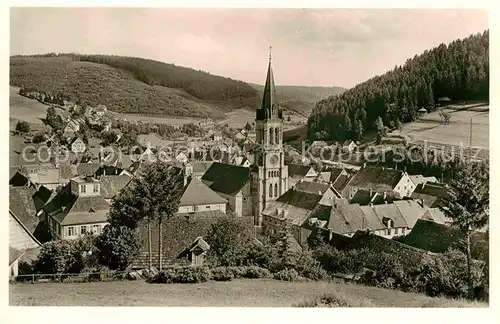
[270, 49]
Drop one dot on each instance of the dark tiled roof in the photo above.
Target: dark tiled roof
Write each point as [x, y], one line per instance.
[363, 197]
[312, 187]
[88, 168]
[379, 179]
[69, 209]
[297, 170]
[42, 196]
[341, 182]
[18, 179]
[22, 205]
[226, 178]
[390, 211]
[113, 184]
[300, 199]
[432, 193]
[439, 238]
[197, 193]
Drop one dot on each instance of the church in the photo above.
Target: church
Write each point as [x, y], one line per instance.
[250, 190]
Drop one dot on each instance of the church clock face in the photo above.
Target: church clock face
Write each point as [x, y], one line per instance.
[274, 159]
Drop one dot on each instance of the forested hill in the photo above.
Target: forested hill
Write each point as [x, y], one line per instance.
[301, 98]
[459, 70]
[142, 86]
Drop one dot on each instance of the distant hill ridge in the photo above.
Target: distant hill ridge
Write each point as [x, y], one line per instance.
[137, 85]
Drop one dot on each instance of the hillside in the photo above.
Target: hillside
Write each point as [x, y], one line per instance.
[301, 98]
[459, 71]
[140, 86]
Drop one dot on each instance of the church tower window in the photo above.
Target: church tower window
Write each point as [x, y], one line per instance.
[275, 190]
[277, 135]
[271, 190]
[271, 136]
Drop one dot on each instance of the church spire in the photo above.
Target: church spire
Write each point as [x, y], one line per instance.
[267, 109]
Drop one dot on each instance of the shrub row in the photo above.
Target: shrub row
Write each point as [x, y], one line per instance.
[203, 274]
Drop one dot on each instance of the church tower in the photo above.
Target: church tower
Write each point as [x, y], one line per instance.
[270, 175]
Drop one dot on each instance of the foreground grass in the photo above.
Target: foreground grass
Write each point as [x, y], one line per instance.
[242, 293]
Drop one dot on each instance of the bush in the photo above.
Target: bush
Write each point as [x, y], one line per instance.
[334, 300]
[286, 275]
[65, 256]
[183, 275]
[117, 247]
[222, 274]
[254, 272]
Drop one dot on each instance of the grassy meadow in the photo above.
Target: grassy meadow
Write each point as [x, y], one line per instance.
[239, 293]
[430, 128]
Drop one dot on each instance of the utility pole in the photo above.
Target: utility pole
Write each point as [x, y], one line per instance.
[470, 141]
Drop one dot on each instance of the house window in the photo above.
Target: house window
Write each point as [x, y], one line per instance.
[95, 229]
[82, 188]
[96, 188]
[208, 207]
[83, 229]
[71, 231]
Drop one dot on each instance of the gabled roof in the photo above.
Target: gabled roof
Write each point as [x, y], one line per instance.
[439, 238]
[431, 193]
[200, 167]
[20, 237]
[22, 205]
[346, 219]
[297, 170]
[379, 179]
[14, 255]
[341, 182]
[418, 179]
[43, 196]
[312, 187]
[197, 193]
[301, 199]
[88, 168]
[111, 185]
[18, 179]
[410, 210]
[390, 211]
[68, 209]
[226, 178]
[363, 197]
[201, 243]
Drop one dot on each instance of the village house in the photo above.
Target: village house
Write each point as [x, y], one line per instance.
[72, 127]
[111, 185]
[232, 183]
[430, 193]
[380, 180]
[297, 204]
[297, 172]
[418, 179]
[386, 220]
[198, 197]
[78, 209]
[348, 146]
[77, 145]
[196, 169]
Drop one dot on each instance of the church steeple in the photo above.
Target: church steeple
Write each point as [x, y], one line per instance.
[268, 108]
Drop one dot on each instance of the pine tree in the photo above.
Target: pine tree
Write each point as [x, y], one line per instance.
[467, 204]
[430, 101]
[359, 130]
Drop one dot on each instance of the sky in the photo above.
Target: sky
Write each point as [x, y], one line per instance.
[315, 47]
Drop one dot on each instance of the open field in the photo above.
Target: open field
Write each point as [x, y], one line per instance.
[429, 127]
[160, 120]
[244, 292]
[22, 108]
[239, 117]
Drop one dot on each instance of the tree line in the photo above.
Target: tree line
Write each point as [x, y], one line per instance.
[200, 84]
[459, 71]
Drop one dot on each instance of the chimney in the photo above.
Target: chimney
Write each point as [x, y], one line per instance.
[319, 192]
[371, 192]
[422, 202]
